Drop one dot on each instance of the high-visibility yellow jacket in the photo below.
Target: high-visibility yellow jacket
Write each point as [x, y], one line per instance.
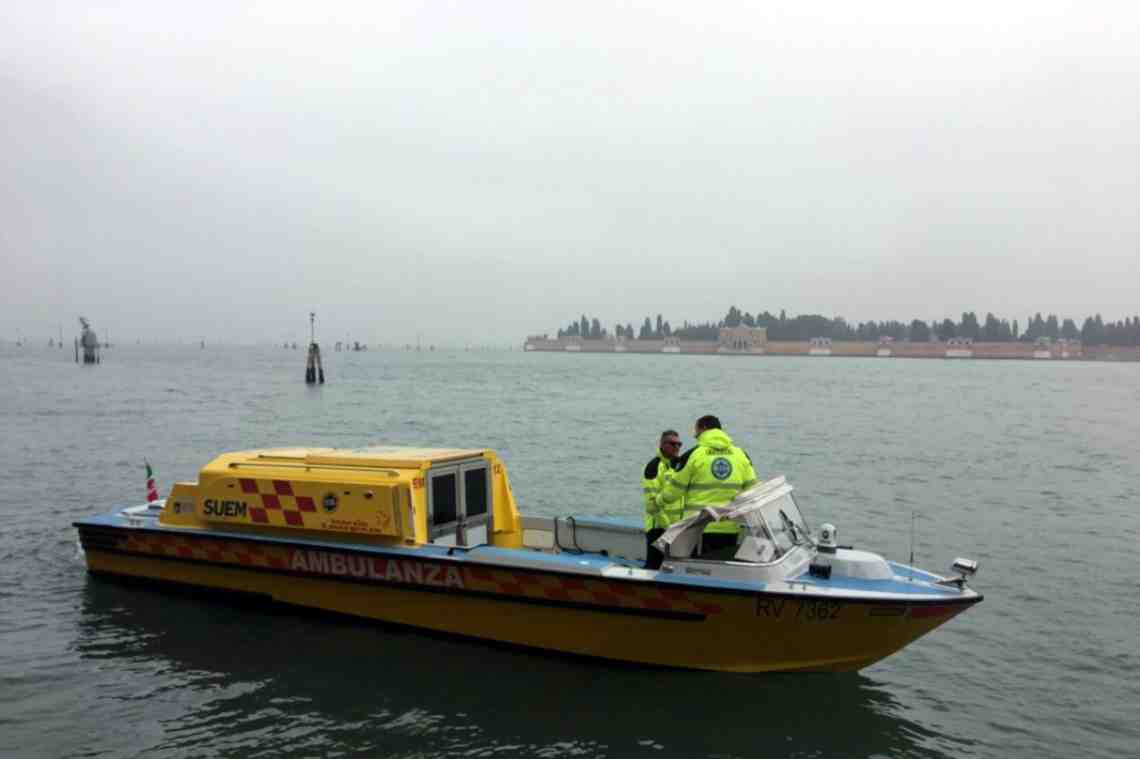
[709, 474]
[657, 471]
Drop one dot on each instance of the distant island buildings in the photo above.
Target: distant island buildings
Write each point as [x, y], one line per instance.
[753, 341]
[741, 333]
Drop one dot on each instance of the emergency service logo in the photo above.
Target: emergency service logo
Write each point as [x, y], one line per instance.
[183, 506]
[721, 468]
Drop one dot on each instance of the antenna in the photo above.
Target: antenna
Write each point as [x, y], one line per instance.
[911, 575]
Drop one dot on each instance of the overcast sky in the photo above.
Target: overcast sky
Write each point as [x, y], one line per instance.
[478, 171]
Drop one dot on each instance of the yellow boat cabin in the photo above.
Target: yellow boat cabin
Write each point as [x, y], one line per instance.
[383, 495]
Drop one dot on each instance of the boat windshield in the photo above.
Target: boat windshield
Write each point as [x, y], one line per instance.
[772, 525]
[775, 527]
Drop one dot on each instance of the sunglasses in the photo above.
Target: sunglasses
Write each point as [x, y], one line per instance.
[673, 442]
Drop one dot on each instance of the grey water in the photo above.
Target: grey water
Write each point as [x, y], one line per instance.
[1030, 468]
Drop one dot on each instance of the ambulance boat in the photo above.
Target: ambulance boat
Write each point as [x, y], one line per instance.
[432, 538]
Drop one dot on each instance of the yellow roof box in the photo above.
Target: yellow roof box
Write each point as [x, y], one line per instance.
[381, 459]
[389, 456]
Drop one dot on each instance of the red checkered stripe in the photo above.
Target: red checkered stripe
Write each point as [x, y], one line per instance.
[279, 505]
[216, 551]
[582, 590]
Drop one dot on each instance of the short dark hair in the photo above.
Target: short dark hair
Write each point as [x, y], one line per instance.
[708, 422]
[667, 433]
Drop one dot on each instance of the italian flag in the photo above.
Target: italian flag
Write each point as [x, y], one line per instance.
[151, 490]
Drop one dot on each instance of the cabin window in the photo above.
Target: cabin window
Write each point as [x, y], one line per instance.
[444, 501]
[475, 491]
[459, 496]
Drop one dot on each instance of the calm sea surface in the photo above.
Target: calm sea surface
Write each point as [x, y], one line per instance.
[1031, 468]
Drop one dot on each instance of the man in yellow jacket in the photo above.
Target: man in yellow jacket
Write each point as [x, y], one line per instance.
[711, 473]
[653, 478]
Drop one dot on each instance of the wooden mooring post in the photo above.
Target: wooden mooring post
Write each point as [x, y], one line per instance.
[90, 342]
[314, 372]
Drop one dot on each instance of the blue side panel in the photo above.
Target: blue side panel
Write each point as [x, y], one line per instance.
[634, 525]
[708, 583]
[113, 519]
[902, 586]
[902, 570]
[535, 559]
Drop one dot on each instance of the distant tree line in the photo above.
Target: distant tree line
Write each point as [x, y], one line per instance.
[1093, 331]
[584, 327]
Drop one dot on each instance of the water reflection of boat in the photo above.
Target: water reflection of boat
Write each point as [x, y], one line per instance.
[275, 680]
[432, 538]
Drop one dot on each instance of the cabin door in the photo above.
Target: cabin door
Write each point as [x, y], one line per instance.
[459, 498]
